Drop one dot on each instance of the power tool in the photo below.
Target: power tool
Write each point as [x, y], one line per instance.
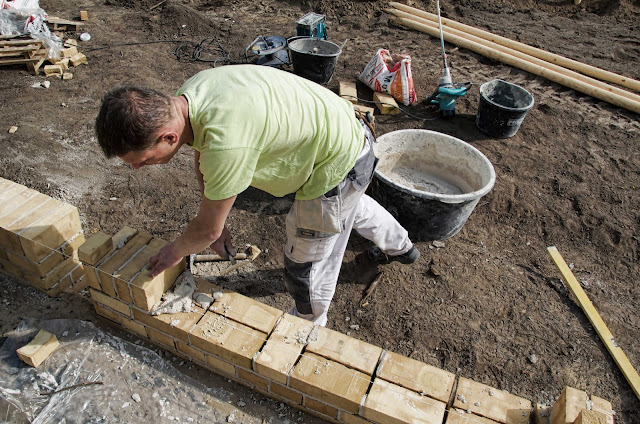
[447, 93]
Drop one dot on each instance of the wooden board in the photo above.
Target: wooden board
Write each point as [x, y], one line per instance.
[594, 317]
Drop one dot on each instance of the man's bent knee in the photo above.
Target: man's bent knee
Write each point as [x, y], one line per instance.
[297, 279]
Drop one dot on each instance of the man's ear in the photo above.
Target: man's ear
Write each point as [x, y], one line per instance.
[170, 137]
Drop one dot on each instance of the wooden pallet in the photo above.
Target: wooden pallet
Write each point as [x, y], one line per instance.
[62, 24]
[22, 50]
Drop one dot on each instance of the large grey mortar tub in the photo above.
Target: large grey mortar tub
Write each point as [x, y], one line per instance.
[429, 181]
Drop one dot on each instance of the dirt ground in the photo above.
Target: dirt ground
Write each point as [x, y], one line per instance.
[489, 304]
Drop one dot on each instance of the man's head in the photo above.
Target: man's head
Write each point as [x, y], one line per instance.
[131, 119]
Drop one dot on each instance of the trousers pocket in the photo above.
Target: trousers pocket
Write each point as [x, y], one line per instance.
[321, 214]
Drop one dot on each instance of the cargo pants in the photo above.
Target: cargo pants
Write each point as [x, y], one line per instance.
[318, 231]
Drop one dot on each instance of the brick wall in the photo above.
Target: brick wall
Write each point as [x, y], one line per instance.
[315, 369]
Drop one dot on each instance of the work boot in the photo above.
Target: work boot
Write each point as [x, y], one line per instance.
[379, 256]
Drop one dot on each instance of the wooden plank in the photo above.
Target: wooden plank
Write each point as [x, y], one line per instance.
[594, 317]
[17, 51]
[23, 42]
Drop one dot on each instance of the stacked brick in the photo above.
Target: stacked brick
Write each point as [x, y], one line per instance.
[315, 369]
[39, 239]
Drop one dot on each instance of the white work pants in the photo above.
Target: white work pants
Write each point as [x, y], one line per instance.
[318, 231]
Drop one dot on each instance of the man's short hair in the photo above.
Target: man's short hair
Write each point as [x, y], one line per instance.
[129, 118]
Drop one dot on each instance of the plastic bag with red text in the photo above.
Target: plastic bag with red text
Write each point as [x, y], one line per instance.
[391, 74]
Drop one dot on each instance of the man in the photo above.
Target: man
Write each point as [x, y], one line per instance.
[262, 127]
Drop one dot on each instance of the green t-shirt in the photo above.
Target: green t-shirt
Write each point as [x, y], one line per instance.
[263, 127]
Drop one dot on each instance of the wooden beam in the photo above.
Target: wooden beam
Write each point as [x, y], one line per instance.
[554, 76]
[594, 317]
[518, 54]
[533, 51]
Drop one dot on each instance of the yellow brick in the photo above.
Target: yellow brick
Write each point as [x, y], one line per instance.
[55, 275]
[227, 339]
[541, 414]
[117, 261]
[39, 269]
[183, 322]
[320, 407]
[392, 404]
[112, 303]
[134, 327]
[364, 109]
[161, 338]
[54, 70]
[568, 405]
[601, 405]
[591, 417]
[107, 313]
[417, 376]
[283, 348]
[346, 350]
[352, 419]
[458, 416]
[95, 248]
[348, 91]
[247, 311]
[253, 379]
[286, 393]
[78, 59]
[70, 247]
[330, 382]
[147, 290]
[38, 349]
[193, 353]
[386, 103]
[70, 42]
[123, 236]
[63, 285]
[123, 291]
[50, 232]
[122, 277]
[69, 51]
[84, 15]
[492, 403]
[218, 365]
[24, 211]
[8, 197]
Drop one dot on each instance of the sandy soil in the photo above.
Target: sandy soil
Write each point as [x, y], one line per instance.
[489, 304]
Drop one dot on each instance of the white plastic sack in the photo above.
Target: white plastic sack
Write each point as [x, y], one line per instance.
[391, 74]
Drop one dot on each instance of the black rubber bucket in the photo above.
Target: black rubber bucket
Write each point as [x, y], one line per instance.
[503, 106]
[314, 59]
[429, 181]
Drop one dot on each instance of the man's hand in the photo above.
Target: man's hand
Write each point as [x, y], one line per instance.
[206, 229]
[223, 246]
[165, 259]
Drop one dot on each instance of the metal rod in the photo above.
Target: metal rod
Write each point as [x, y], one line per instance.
[444, 54]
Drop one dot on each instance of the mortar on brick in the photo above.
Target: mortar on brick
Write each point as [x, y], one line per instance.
[491, 403]
[417, 376]
[330, 382]
[346, 350]
[247, 311]
[392, 404]
[283, 348]
[227, 339]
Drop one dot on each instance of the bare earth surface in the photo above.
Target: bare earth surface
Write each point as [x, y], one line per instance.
[490, 304]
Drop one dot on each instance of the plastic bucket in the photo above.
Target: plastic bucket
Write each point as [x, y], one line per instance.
[314, 59]
[430, 182]
[503, 106]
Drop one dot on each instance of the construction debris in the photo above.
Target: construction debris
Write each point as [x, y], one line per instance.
[38, 349]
